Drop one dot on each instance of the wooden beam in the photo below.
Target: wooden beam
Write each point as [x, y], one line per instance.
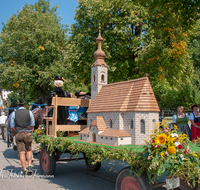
[71, 127]
[63, 101]
[48, 118]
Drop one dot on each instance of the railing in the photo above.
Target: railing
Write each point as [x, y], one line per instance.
[166, 112]
[51, 130]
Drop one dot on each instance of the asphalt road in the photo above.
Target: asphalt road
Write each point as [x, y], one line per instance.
[71, 175]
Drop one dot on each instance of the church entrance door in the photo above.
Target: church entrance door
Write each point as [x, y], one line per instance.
[94, 137]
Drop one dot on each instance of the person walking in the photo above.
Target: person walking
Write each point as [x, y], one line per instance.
[22, 123]
[3, 125]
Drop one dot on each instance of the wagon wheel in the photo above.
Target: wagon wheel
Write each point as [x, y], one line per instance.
[47, 162]
[125, 181]
[185, 186]
[92, 167]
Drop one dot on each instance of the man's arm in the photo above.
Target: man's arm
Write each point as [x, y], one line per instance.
[12, 124]
[32, 122]
[12, 120]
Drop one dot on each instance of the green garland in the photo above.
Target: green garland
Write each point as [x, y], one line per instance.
[137, 160]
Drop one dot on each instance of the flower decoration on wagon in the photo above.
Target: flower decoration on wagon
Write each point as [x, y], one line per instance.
[197, 141]
[168, 151]
[40, 131]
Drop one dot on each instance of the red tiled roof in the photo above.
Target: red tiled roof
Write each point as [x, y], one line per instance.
[114, 133]
[99, 123]
[85, 131]
[133, 95]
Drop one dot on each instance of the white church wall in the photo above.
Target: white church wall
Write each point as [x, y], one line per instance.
[150, 118]
[108, 117]
[108, 140]
[99, 77]
[124, 140]
[84, 137]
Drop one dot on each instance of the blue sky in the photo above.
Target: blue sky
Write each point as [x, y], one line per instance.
[66, 9]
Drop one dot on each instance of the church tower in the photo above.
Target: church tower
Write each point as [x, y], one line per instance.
[99, 69]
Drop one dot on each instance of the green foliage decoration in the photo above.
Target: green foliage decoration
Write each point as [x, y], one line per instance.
[157, 158]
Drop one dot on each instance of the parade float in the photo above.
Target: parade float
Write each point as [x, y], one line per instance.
[122, 125]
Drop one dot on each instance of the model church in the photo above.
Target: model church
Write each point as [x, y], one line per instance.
[120, 113]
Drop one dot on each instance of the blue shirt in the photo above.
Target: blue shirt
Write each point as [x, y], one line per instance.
[12, 120]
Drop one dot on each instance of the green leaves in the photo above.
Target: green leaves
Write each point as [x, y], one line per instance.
[189, 170]
[32, 46]
[139, 37]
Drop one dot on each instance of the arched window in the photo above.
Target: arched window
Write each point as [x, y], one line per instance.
[131, 126]
[102, 77]
[142, 126]
[94, 78]
[110, 123]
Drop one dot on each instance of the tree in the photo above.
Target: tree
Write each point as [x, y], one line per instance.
[32, 47]
[134, 43]
[122, 26]
[194, 45]
[179, 12]
[13, 97]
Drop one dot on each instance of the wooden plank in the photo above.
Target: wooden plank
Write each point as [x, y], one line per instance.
[71, 127]
[63, 101]
[48, 118]
[47, 128]
[54, 122]
[50, 130]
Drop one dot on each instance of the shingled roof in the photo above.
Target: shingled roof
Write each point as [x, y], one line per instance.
[99, 123]
[114, 133]
[133, 95]
[85, 131]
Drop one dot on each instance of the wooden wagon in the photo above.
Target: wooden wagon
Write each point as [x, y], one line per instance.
[127, 177]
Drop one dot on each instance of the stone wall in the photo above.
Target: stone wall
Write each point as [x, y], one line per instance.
[130, 122]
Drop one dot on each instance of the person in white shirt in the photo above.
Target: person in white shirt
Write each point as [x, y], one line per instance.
[2, 125]
[195, 122]
[181, 120]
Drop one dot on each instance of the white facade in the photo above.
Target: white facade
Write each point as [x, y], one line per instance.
[4, 94]
[95, 136]
[99, 77]
[137, 124]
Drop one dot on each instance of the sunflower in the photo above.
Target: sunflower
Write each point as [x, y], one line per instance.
[171, 149]
[161, 139]
[170, 140]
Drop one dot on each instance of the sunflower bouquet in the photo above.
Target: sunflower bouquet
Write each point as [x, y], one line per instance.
[168, 151]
